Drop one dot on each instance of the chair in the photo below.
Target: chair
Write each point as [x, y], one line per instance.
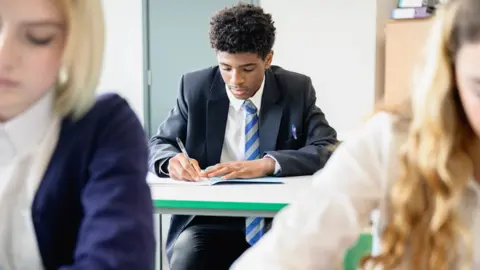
[363, 246]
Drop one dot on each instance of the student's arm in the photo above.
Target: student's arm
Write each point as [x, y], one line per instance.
[315, 232]
[163, 144]
[116, 231]
[321, 138]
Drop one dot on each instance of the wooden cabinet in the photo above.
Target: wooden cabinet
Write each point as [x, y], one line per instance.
[405, 42]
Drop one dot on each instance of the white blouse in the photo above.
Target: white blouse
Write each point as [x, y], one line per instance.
[26, 145]
[316, 231]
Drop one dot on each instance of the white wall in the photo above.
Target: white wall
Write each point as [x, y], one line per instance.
[338, 44]
[123, 63]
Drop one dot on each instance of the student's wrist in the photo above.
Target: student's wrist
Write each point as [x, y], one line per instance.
[268, 165]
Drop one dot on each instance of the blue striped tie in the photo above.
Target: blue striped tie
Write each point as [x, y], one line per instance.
[254, 225]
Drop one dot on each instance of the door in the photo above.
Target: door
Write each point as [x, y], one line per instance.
[177, 40]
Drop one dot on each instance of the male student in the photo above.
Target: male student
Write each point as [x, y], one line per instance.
[244, 119]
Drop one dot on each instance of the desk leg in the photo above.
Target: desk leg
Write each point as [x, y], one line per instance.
[157, 224]
[157, 239]
[160, 240]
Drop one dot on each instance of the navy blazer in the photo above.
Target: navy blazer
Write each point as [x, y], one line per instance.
[200, 118]
[93, 208]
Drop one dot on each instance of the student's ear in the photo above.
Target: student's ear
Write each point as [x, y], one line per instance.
[268, 60]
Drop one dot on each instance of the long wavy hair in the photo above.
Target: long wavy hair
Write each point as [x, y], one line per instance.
[436, 143]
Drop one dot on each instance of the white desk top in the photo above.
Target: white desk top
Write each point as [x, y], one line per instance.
[255, 193]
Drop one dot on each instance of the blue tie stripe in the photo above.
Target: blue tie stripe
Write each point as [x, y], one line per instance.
[254, 155]
[254, 148]
[254, 226]
[256, 231]
[250, 110]
[255, 222]
[251, 124]
[256, 237]
[251, 132]
[250, 142]
[250, 107]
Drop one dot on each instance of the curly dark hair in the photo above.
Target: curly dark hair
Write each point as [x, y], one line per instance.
[242, 28]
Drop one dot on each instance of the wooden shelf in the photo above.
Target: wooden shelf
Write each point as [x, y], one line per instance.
[405, 42]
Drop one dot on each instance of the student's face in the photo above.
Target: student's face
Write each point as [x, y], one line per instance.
[31, 45]
[467, 66]
[243, 72]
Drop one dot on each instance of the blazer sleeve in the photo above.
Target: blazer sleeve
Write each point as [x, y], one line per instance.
[315, 231]
[320, 142]
[116, 231]
[163, 144]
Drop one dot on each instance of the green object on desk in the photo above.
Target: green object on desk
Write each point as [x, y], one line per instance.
[363, 246]
[248, 206]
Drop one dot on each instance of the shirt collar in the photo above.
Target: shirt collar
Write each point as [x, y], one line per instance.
[238, 103]
[26, 130]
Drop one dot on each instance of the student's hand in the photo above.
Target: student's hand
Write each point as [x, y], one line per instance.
[180, 169]
[242, 169]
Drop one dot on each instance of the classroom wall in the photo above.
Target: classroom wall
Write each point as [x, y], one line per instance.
[340, 48]
[123, 63]
[339, 44]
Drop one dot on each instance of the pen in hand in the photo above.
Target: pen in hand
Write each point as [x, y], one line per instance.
[184, 152]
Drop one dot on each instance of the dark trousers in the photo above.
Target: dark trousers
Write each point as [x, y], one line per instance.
[209, 243]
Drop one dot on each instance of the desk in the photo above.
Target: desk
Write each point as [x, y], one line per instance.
[237, 200]
[226, 200]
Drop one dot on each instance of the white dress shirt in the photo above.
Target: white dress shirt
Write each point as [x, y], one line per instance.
[234, 141]
[315, 232]
[26, 145]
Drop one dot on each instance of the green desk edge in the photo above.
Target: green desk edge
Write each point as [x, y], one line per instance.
[350, 261]
[231, 206]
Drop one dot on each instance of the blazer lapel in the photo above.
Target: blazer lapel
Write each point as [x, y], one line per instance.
[270, 113]
[217, 114]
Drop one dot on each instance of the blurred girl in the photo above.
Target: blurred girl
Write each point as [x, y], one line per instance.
[418, 163]
[73, 193]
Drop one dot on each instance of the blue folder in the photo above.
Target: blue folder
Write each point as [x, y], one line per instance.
[264, 180]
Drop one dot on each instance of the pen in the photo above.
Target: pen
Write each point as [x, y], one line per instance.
[294, 132]
[184, 151]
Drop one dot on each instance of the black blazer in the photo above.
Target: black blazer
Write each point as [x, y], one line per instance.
[200, 118]
[93, 208]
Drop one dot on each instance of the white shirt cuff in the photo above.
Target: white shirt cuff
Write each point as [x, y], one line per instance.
[278, 169]
[160, 165]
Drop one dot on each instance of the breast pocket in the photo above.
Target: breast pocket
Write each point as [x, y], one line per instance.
[294, 143]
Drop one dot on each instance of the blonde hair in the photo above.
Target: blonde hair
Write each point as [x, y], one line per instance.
[83, 56]
[435, 150]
